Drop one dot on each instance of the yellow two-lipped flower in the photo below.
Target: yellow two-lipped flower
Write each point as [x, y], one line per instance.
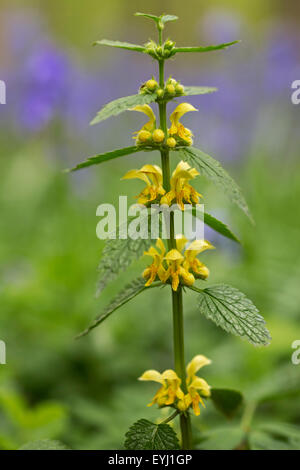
[177, 129]
[181, 191]
[152, 176]
[178, 264]
[145, 133]
[171, 392]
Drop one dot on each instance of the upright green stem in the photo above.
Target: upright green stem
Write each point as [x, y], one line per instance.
[178, 329]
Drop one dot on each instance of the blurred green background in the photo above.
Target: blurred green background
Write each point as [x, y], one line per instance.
[85, 392]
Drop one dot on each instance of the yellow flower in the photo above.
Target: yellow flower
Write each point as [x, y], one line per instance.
[140, 136]
[170, 382]
[171, 392]
[181, 190]
[175, 270]
[196, 387]
[152, 176]
[178, 129]
[177, 263]
[190, 258]
[156, 268]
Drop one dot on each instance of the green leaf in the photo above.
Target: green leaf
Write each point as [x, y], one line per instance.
[105, 157]
[284, 431]
[128, 293]
[167, 18]
[158, 19]
[146, 15]
[226, 401]
[234, 312]
[144, 435]
[198, 90]
[118, 254]
[213, 170]
[120, 45]
[259, 440]
[225, 438]
[218, 226]
[44, 444]
[280, 384]
[205, 48]
[123, 104]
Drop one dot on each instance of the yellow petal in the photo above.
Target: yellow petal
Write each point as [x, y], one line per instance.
[181, 241]
[170, 374]
[180, 110]
[160, 245]
[201, 385]
[132, 174]
[146, 109]
[152, 375]
[199, 246]
[196, 363]
[173, 255]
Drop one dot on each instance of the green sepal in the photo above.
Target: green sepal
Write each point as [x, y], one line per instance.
[144, 435]
[120, 45]
[122, 104]
[105, 157]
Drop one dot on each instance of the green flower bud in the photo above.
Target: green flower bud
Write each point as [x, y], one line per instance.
[151, 84]
[169, 44]
[170, 89]
[160, 93]
[179, 89]
[159, 50]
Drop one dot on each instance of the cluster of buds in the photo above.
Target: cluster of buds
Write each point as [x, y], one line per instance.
[172, 89]
[177, 134]
[160, 52]
[144, 137]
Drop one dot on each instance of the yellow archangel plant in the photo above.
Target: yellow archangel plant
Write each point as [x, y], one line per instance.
[174, 262]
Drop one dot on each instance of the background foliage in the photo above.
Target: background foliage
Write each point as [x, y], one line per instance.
[85, 392]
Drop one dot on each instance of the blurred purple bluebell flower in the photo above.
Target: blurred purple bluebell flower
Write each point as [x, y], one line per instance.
[44, 83]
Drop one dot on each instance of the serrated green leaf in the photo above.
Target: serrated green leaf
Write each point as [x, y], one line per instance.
[212, 169]
[218, 226]
[234, 312]
[105, 157]
[198, 90]
[205, 48]
[118, 254]
[128, 293]
[44, 444]
[227, 401]
[259, 440]
[144, 435]
[122, 104]
[120, 45]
